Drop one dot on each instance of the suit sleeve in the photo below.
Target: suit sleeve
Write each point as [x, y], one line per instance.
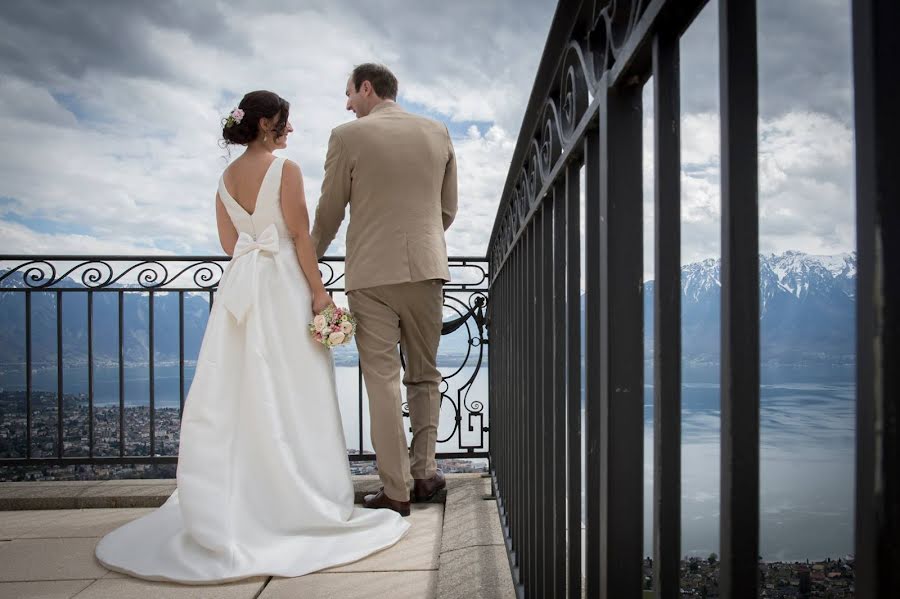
[335, 196]
[448, 191]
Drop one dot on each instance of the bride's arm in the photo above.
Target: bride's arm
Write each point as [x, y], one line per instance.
[227, 233]
[296, 216]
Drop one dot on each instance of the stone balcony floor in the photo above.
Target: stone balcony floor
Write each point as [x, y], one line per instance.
[454, 549]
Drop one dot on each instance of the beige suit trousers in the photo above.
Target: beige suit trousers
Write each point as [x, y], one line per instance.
[408, 314]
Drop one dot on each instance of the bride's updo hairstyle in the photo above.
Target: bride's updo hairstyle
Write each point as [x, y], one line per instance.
[255, 105]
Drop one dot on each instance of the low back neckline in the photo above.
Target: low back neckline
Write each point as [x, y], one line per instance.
[258, 191]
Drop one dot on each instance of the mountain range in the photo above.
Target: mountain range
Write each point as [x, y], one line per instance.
[807, 320]
[807, 315]
[136, 327]
[136, 345]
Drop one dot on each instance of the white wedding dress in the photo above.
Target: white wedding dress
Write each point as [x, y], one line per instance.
[263, 481]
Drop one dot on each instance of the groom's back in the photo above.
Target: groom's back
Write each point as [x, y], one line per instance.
[400, 166]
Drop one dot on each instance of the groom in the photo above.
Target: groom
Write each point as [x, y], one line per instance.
[398, 173]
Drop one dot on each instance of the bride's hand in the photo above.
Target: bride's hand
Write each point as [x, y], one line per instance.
[321, 300]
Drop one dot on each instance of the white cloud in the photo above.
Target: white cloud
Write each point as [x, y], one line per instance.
[112, 141]
[107, 145]
[22, 98]
[805, 186]
[699, 140]
[16, 237]
[483, 162]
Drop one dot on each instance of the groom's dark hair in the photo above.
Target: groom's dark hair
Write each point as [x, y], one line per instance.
[383, 81]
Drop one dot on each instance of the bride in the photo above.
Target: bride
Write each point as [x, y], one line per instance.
[263, 482]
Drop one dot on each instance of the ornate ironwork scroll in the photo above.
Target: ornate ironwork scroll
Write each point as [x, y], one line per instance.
[464, 423]
[596, 44]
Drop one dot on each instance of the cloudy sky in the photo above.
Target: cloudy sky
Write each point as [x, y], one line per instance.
[110, 111]
[806, 148]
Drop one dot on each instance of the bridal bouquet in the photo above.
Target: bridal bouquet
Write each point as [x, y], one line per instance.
[333, 326]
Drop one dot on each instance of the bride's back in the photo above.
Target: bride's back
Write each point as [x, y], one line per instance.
[250, 190]
[244, 178]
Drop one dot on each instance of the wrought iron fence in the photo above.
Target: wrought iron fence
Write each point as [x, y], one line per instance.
[145, 314]
[585, 112]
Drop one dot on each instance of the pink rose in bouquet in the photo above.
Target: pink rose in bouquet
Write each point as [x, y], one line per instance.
[334, 326]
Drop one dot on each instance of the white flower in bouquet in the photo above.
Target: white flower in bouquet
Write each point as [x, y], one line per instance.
[334, 326]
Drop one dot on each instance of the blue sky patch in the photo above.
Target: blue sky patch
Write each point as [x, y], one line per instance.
[71, 103]
[457, 128]
[38, 223]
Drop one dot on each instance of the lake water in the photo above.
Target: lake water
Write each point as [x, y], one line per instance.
[807, 451]
[806, 470]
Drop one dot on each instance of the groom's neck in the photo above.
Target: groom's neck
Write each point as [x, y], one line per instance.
[381, 104]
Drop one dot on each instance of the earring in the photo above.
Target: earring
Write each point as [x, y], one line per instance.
[265, 137]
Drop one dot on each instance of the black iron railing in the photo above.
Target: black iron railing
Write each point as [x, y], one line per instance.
[585, 112]
[146, 314]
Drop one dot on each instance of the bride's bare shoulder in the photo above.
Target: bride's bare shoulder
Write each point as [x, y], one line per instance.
[291, 177]
[291, 170]
[233, 169]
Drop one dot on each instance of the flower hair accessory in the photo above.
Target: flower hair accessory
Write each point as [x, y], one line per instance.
[235, 118]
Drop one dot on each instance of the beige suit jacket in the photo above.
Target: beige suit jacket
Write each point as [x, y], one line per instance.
[397, 171]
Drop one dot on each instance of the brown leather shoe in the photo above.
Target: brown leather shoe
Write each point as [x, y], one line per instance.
[426, 488]
[381, 501]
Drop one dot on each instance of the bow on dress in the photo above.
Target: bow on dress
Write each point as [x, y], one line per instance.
[242, 287]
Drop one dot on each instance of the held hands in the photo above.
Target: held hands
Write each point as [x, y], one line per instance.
[321, 300]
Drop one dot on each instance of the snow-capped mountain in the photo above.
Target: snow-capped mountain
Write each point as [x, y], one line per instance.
[799, 274]
[807, 311]
[699, 279]
[793, 272]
